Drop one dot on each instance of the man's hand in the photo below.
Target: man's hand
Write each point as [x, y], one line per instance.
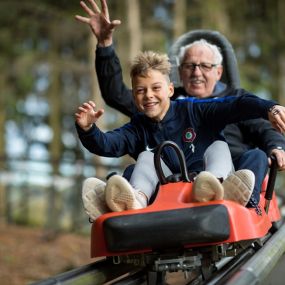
[276, 115]
[86, 116]
[279, 153]
[99, 22]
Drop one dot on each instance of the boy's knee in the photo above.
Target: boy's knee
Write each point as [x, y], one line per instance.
[218, 146]
[145, 155]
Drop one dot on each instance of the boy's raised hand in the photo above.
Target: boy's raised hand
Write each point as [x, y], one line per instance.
[99, 21]
[87, 116]
[276, 115]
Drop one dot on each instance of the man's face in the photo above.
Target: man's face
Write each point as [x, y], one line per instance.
[152, 94]
[198, 81]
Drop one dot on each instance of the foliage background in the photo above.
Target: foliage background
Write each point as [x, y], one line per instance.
[47, 70]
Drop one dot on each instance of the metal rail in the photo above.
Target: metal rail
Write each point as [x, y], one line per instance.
[97, 273]
[262, 263]
[230, 267]
[250, 267]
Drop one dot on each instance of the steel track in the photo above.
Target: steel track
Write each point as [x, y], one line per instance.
[249, 267]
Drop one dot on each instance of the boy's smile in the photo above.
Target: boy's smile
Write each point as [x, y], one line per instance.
[152, 94]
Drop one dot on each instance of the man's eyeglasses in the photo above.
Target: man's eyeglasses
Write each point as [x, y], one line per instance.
[204, 66]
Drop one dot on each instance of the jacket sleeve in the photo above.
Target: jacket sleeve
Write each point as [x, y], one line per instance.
[262, 134]
[233, 109]
[115, 143]
[109, 73]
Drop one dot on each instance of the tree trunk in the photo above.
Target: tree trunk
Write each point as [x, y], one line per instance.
[134, 26]
[281, 56]
[55, 119]
[179, 18]
[2, 148]
[214, 16]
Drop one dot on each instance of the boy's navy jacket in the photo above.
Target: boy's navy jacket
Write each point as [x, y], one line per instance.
[192, 124]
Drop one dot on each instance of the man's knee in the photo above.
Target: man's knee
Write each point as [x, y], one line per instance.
[257, 155]
[255, 160]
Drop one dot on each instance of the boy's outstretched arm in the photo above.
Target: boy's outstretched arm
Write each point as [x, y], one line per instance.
[86, 115]
[99, 22]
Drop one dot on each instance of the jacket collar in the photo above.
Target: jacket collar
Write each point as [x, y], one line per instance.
[168, 116]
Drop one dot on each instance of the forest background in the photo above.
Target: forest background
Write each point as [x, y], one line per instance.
[47, 70]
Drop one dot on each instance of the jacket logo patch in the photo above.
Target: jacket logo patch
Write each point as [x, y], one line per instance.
[189, 135]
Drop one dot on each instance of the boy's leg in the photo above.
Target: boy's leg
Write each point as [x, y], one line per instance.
[218, 160]
[122, 195]
[144, 176]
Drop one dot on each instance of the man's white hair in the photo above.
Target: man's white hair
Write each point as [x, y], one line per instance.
[218, 58]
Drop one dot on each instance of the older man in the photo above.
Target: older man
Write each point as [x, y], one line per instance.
[200, 70]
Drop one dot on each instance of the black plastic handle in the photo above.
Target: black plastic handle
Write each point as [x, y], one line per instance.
[271, 181]
[181, 157]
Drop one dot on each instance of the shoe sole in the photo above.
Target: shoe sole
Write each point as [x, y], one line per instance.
[120, 195]
[207, 187]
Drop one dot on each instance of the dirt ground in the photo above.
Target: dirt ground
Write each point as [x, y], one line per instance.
[28, 255]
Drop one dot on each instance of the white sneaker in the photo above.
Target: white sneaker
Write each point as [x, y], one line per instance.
[120, 195]
[238, 186]
[93, 196]
[207, 187]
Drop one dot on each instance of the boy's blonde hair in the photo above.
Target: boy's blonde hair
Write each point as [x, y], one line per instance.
[149, 60]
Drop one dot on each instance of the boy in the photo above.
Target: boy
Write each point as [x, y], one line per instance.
[193, 125]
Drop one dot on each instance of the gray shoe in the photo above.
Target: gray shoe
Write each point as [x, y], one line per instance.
[238, 186]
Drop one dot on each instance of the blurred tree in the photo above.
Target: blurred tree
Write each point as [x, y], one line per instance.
[214, 15]
[179, 18]
[134, 27]
[280, 48]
